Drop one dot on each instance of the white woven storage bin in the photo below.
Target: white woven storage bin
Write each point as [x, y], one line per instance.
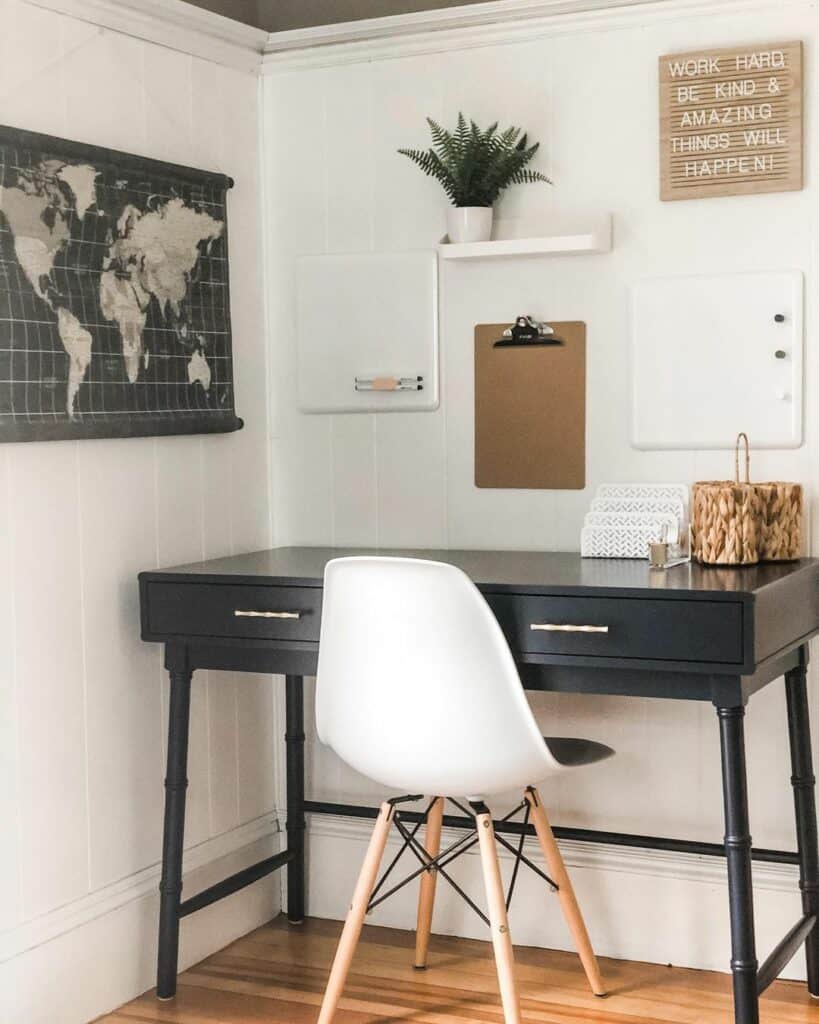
[648, 492]
[605, 542]
[639, 506]
[664, 525]
[680, 491]
[625, 518]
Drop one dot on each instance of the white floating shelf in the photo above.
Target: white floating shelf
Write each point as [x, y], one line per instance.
[593, 240]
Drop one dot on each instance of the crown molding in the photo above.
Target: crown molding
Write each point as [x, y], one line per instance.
[172, 23]
[482, 24]
[464, 16]
[182, 26]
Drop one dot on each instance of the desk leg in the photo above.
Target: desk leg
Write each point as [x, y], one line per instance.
[294, 742]
[176, 783]
[738, 855]
[803, 781]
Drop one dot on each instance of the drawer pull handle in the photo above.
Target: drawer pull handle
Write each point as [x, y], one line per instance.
[241, 614]
[552, 627]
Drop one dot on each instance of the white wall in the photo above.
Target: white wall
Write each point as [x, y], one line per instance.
[83, 702]
[587, 89]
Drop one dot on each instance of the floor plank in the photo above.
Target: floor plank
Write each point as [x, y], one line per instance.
[276, 975]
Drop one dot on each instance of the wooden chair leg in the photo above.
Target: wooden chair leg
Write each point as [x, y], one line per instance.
[568, 900]
[501, 939]
[355, 916]
[426, 897]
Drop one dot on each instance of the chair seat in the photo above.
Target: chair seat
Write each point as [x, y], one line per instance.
[571, 753]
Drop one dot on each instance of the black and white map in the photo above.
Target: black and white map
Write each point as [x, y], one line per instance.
[114, 294]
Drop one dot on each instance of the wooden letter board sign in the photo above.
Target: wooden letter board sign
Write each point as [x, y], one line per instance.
[731, 121]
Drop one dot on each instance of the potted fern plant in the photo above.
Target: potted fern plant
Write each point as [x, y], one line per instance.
[474, 166]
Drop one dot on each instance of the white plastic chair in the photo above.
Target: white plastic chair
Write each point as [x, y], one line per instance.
[418, 690]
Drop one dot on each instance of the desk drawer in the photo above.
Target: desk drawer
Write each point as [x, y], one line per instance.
[701, 631]
[264, 613]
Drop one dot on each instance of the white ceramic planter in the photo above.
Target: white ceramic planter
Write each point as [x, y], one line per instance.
[469, 223]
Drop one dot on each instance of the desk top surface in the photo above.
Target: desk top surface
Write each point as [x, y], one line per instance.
[557, 572]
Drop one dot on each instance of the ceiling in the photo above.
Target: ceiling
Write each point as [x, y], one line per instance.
[278, 15]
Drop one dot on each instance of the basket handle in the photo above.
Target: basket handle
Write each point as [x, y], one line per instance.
[740, 438]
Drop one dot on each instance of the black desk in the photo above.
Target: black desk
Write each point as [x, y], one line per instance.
[690, 633]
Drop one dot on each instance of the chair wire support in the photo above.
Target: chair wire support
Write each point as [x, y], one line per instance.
[518, 858]
[457, 849]
[400, 854]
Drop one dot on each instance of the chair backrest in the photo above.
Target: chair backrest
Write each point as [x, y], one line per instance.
[416, 685]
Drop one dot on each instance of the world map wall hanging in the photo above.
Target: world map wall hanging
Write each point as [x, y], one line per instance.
[114, 294]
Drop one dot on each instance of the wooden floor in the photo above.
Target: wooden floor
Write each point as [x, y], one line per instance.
[276, 976]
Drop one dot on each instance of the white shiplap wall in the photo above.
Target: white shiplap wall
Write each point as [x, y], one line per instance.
[83, 703]
[586, 87]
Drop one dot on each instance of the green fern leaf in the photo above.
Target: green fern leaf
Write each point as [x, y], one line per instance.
[474, 165]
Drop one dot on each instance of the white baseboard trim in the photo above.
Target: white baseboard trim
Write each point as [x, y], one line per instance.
[639, 904]
[101, 952]
[684, 867]
[112, 897]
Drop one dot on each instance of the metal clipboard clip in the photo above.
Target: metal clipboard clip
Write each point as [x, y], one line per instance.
[526, 332]
[389, 383]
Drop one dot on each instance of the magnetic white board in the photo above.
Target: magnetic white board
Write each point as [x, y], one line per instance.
[710, 358]
[367, 315]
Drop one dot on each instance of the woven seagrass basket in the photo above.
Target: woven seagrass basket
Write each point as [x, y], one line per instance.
[782, 521]
[736, 523]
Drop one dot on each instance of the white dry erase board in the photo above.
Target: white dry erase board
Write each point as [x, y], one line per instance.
[371, 317]
[714, 354]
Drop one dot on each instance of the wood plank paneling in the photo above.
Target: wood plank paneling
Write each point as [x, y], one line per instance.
[81, 708]
[109, 67]
[277, 975]
[32, 75]
[250, 514]
[223, 751]
[408, 208]
[168, 104]
[350, 172]
[48, 642]
[240, 139]
[354, 479]
[559, 88]
[10, 909]
[411, 448]
[302, 445]
[180, 538]
[123, 684]
[256, 723]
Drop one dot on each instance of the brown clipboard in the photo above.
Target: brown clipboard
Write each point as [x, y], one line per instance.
[530, 409]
